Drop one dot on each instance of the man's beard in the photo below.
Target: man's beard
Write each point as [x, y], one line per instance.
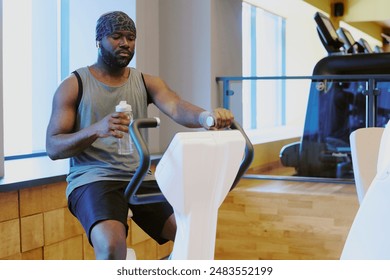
[114, 61]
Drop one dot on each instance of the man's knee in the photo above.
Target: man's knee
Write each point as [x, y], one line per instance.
[169, 229]
[109, 240]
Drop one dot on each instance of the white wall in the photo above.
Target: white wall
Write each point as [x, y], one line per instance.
[185, 54]
[147, 55]
[226, 50]
[191, 46]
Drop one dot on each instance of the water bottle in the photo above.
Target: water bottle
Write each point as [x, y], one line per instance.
[125, 145]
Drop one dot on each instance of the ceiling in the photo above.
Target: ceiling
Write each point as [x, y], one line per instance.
[371, 16]
[373, 11]
[384, 23]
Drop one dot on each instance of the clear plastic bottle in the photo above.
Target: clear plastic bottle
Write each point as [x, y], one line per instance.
[125, 145]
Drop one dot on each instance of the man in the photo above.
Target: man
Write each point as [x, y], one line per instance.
[84, 127]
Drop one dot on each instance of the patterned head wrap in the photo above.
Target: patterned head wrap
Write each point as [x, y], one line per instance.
[113, 21]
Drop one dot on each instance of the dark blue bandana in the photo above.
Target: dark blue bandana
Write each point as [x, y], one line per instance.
[113, 21]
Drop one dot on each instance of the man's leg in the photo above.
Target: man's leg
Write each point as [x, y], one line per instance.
[109, 240]
[169, 229]
[156, 219]
[102, 210]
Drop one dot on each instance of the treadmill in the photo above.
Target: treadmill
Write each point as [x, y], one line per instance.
[337, 107]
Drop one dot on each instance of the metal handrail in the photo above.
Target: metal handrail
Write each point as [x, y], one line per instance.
[371, 92]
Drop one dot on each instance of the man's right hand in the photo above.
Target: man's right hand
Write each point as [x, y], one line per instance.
[112, 125]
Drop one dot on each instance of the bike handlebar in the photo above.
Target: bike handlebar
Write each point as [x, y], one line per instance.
[144, 165]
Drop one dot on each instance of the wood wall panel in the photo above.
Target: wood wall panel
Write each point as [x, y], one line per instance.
[136, 234]
[36, 254]
[146, 250]
[10, 238]
[9, 206]
[163, 251]
[32, 236]
[59, 225]
[69, 249]
[44, 228]
[30, 201]
[53, 196]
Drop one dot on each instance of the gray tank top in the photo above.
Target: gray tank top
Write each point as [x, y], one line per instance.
[101, 160]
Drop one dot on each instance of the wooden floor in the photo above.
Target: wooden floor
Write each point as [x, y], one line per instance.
[284, 220]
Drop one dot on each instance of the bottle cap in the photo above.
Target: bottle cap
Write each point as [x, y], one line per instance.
[123, 107]
[206, 119]
[210, 121]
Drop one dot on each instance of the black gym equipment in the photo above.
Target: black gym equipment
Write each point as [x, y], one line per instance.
[353, 93]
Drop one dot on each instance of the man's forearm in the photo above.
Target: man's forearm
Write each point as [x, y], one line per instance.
[62, 146]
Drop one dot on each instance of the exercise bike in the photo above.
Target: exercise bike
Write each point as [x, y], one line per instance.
[195, 174]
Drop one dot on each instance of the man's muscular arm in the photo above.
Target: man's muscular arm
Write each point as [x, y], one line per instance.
[61, 140]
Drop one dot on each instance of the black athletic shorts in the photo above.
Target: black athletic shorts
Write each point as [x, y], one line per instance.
[104, 200]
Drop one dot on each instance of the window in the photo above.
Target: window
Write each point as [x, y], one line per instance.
[43, 41]
[264, 55]
[272, 33]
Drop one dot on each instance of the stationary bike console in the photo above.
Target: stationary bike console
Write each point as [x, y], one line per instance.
[195, 174]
